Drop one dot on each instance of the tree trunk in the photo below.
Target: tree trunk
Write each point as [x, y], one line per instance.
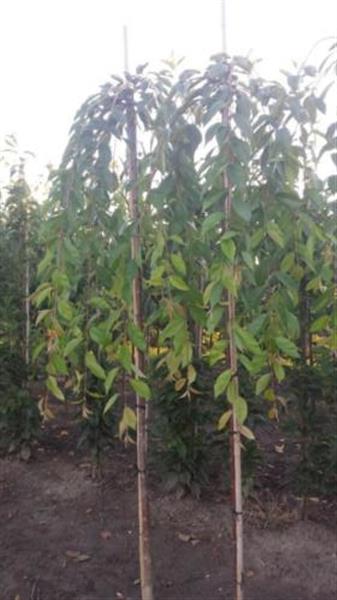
[139, 359]
[198, 329]
[27, 300]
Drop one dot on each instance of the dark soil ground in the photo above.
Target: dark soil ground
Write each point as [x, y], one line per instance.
[65, 536]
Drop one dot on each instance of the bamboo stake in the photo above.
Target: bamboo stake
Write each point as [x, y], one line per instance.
[143, 505]
[126, 48]
[223, 26]
[235, 438]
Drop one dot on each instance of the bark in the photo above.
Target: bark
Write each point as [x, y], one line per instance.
[198, 329]
[139, 359]
[27, 300]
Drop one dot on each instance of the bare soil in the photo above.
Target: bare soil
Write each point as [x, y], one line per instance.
[65, 536]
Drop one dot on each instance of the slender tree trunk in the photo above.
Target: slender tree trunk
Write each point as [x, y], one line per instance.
[27, 299]
[305, 337]
[306, 400]
[143, 505]
[235, 441]
[198, 329]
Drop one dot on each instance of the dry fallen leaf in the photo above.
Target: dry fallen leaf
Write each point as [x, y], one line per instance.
[83, 558]
[184, 537]
[279, 449]
[187, 537]
[25, 453]
[77, 556]
[72, 553]
[85, 465]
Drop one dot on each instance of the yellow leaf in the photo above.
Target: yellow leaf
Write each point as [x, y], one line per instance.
[246, 432]
[224, 419]
[128, 420]
[273, 414]
[191, 374]
[269, 395]
[130, 417]
[180, 384]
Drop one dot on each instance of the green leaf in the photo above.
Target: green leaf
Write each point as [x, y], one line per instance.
[228, 281]
[94, 366]
[38, 349]
[178, 283]
[99, 302]
[222, 382]
[211, 222]
[228, 248]
[275, 234]
[111, 376]
[287, 347]
[45, 262]
[314, 284]
[124, 357]
[136, 336]
[214, 318]
[57, 365]
[54, 388]
[177, 239]
[179, 263]
[42, 314]
[262, 383]
[320, 324]
[249, 259]
[237, 175]
[100, 335]
[71, 345]
[225, 417]
[232, 391]
[110, 403]
[241, 150]
[241, 409]
[216, 353]
[65, 309]
[41, 294]
[257, 237]
[141, 388]
[208, 291]
[242, 209]
[172, 328]
[256, 326]
[60, 280]
[156, 278]
[279, 371]
[247, 340]
[288, 262]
